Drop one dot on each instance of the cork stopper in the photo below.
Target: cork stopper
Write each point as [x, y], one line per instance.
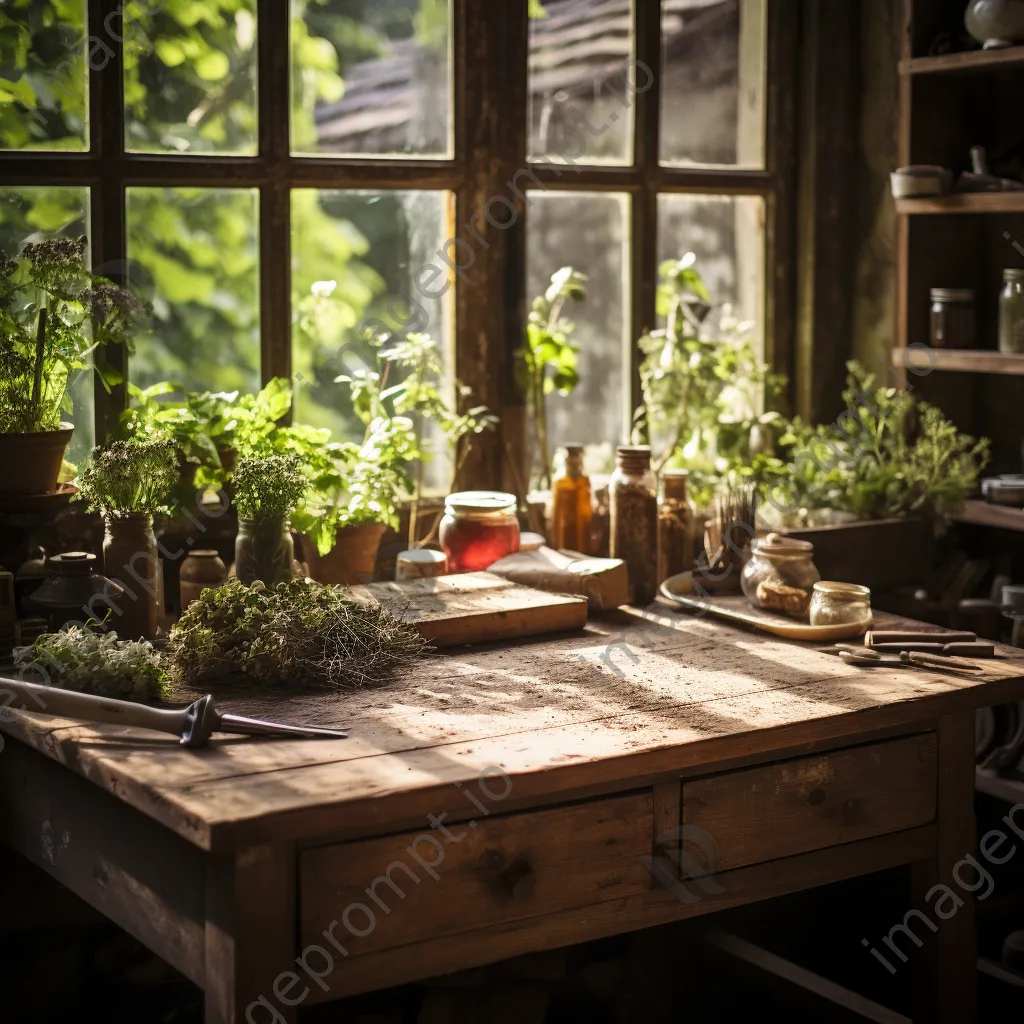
[634, 459]
[674, 484]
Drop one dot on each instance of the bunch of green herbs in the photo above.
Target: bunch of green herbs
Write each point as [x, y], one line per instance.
[296, 636]
[53, 315]
[887, 454]
[268, 488]
[129, 478]
[91, 661]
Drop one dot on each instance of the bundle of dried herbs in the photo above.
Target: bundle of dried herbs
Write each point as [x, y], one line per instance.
[298, 635]
[95, 662]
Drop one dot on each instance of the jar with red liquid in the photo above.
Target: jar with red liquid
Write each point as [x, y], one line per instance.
[478, 528]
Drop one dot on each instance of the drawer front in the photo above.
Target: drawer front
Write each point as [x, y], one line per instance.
[761, 814]
[420, 885]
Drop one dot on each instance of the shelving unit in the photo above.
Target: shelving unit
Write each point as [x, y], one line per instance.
[971, 60]
[1001, 517]
[965, 202]
[966, 360]
[949, 104]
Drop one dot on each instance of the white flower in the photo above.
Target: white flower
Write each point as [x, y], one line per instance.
[323, 289]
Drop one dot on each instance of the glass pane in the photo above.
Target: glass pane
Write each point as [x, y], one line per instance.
[587, 231]
[196, 252]
[726, 234]
[44, 86]
[713, 83]
[32, 214]
[372, 78]
[190, 77]
[583, 81]
[364, 262]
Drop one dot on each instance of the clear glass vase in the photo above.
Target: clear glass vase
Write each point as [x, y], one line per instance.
[264, 551]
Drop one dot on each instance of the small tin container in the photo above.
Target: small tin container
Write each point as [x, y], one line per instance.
[840, 604]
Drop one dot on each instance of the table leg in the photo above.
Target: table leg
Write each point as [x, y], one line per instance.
[946, 976]
[250, 936]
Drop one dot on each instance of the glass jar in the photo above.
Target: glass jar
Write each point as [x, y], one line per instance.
[1011, 313]
[952, 318]
[265, 551]
[633, 506]
[780, 575]
[478, 528]
[841, 604]
[570, 503]
[676, 525]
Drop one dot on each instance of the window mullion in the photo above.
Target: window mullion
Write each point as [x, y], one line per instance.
[274, 111]
[107, 229]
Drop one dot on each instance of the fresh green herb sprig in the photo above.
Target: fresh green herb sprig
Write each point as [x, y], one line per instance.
[298, 635]
[129, 478]
[94, 662]
[268, 489]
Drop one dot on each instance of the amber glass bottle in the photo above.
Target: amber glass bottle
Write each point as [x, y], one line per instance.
[570, 503]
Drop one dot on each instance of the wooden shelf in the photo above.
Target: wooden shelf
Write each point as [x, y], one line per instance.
[969, 60]
[965, 202]
[1001, 517]
[965, 360]
[988, 782]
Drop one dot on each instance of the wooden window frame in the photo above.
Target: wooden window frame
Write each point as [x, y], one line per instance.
[491, 45]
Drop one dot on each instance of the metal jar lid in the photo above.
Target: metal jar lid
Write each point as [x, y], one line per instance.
[1013, 274]
[480, 503]
[952, 295]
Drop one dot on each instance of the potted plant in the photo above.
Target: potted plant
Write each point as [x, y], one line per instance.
[128, 482]
[355, 494]
[267, 491]
[47, 299]
[548, 361]
[702, 387]
[872, 489]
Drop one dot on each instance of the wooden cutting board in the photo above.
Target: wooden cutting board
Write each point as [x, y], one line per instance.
[476, 607]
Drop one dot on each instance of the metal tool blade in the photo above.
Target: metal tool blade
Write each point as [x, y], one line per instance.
[257, 727]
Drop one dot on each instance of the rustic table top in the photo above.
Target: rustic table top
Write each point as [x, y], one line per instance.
[634, 697]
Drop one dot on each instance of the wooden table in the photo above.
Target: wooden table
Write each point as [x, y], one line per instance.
[512, 799]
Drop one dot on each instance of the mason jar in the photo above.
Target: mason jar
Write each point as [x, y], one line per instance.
[478, 529]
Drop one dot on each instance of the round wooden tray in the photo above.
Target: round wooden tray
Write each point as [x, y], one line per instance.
[49, 503]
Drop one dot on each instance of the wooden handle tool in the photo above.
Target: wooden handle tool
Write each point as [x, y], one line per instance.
[892, 636]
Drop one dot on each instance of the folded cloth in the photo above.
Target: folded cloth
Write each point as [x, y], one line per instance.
[604, 582]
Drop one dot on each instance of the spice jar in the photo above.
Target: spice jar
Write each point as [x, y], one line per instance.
[1011, 313]
[570, 502]
[952, 318]
[780, 575]
[840, 604]
[633, 503]
[478, 528]
[676, 525]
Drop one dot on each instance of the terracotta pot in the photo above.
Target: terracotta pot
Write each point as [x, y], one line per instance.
[353, 557]
[31, 462]
[200, 571]
[130, 559]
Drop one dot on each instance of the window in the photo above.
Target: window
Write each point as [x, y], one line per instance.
[279, 177]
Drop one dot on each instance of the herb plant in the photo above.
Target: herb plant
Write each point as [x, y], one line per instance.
[129, 477]
[702, 389]
[395, 400]
[298, 635]
[549, 360]
[48, 304]
[268, 489]
[887, 454]
[95, 662]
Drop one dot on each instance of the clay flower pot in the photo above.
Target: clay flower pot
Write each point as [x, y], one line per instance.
[31, 462]
[130, 559]
[353, 557]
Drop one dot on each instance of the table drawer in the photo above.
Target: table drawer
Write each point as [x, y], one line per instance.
[779, 810]
[420, 885]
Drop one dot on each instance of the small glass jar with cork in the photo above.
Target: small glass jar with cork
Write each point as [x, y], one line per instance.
[633, 501]
[676, 525]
